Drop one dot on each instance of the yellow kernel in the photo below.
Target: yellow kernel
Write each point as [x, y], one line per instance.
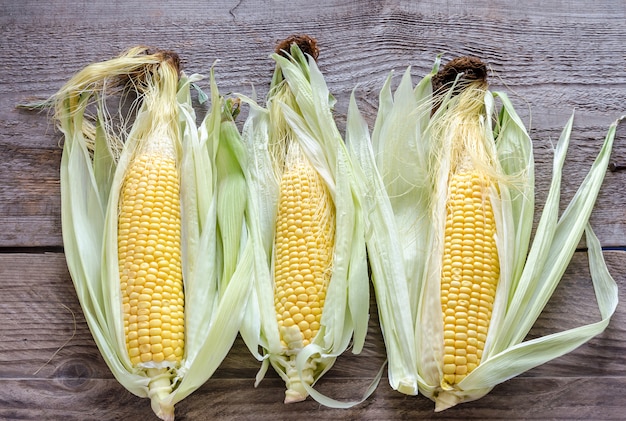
[449, 369]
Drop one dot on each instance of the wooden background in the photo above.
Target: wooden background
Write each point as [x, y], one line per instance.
[550, 56]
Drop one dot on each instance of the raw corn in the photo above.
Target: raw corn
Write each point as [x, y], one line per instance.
[453, 182]
[139, 237]
[304, 247]
[311, 293]
[496, 163]
[470, 273]
[149, 253]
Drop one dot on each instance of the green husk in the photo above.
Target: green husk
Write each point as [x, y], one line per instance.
[406, 134]
[299, 103]
[93, 162]
[395, 225]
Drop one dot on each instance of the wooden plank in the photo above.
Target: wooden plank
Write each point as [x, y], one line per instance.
[591, 398]
[533, 76]
[30, 196]
[526, 51]
[49, 365]
[30, 201]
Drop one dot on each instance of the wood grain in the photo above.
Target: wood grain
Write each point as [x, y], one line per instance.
[49, 364]
[551, 58]
[232, 399]
[548, 69]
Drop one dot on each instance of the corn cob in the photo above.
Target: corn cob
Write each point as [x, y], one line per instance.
[311, 220]
[480, 265]
[136, 230]
[304, 247]
[149, 252]
[470, 274]
[304, 235]
[151, 278]
[145, 229]
[454, 184]
[470, 262]
[305, 226]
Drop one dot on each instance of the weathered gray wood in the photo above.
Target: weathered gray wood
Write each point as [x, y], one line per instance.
[593, 398]
[49, 364]
[550, 57]
[521, 398]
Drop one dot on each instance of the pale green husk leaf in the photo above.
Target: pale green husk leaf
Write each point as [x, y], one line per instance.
[395, 226]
